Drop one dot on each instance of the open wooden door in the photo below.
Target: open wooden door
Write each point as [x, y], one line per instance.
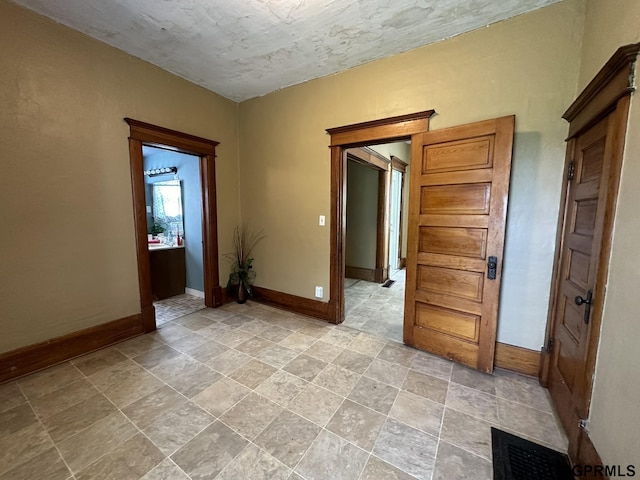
[457, 214]
[597, 129]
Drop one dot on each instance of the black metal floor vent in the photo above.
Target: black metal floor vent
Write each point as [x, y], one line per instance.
[388, 283]
[515, 458]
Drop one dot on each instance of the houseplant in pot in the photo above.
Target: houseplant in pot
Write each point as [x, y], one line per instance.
[242, 273]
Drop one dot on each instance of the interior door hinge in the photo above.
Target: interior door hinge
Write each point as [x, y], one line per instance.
[550, 344]
[572, 169]
[583, 424]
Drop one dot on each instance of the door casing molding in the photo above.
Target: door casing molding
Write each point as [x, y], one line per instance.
[386, 130]
[141, 133]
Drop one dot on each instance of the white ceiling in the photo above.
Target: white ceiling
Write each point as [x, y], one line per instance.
[242, 49]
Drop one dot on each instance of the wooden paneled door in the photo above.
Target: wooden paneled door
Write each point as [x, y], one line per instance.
[457, 213]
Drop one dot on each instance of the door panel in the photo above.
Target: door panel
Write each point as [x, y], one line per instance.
[457, 213]
[578, 271]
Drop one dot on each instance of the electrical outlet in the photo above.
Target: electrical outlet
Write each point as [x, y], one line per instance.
[321, 221]
[319, 293]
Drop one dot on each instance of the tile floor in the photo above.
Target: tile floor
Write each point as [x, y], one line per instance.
[371, 308]
[178, 306]
[250, 392]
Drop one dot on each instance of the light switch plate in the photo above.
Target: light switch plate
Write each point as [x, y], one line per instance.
[321, 221]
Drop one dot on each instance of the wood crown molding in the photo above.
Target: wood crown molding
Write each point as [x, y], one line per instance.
[614, 80]
[383, 130]
[160, 136]
[32, 358]
[292, 303]
[517, 359]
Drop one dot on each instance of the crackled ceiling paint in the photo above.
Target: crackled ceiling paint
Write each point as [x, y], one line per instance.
[244, 49]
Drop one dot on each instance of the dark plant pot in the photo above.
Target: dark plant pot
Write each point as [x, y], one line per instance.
[242, 293]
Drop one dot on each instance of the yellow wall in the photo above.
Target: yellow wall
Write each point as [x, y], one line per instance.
[526, 65]
[615, 413]
[68, 256]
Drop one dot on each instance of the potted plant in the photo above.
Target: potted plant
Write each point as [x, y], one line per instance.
[242, 273]
[156, 229]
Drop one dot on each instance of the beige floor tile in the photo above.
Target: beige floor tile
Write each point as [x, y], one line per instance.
[473, 402]
[16, 419]
[354, 361]
[275, 333]
[316, 404]
[332, 458]
[357, 424]
[48, 380]
[186, 375]
[233, 337]
[254, 327]
[298, 342]
[144, 411]
[63, 398]
[23, 445]
[221, 396]
[377, 469]
[154, 357]
[337, 379]
[139, 345]
[10, 396]
[277, 356]
[254, 346]
[386, 372]
[367, 344]
[207, 351]
[398, 354]
[67, 423]
[453, 462]
[531, 422]
[375, 395]
[426, 386]
[166, 470]
[323, 351]
[170, 333]
[305, 367]
[254, 464]
[89, 445]
[204, 457]
[467, 432]
[47, 465]
[418, 412]
[125, 382]
[129, 461]
[237, 320]
[281, 387]
[340, 336]
[187, 342]
[251, 415]
[253, 373]
[194, 321]
[407, 448]
[432, 365]
[228, 361]
[473, 379]
[177, 426]
[288, 437]
[94, 362]
[521, 389]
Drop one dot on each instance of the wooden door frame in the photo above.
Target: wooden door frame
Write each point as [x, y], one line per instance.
[607, 94]
[374, 160]
[401, 166]
[141, 133]
[386, 130]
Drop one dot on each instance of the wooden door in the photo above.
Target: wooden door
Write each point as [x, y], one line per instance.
[578, 270]
[457, 213]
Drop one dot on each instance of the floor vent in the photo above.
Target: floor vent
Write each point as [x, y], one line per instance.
[388, 283]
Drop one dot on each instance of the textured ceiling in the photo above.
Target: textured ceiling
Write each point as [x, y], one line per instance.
[246, 48]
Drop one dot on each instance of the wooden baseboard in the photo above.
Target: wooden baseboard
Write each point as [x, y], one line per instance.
[403, 263]
[293, 303]
[366, 274]
[31, 358]
[517, 359]
[381, 274]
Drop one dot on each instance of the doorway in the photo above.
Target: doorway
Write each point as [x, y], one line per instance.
[144, 134]
[174, 220]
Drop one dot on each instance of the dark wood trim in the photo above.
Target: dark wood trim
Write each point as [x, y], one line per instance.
[140, 134]
[382, 226]
[342, 138]
[517, 359]
[152, 134]
[612, 82]
[41, 355]
[366, 274]
[386, 129]
[403, 262]
[368, 157]
[399, 164]
[588, 455]
[293, 303]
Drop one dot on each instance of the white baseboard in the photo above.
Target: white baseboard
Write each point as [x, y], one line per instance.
[195, 293]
